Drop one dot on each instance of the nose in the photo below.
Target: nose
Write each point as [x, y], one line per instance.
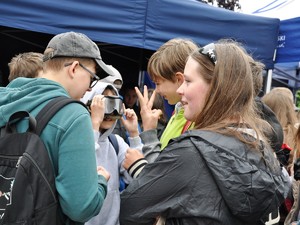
[180, 90]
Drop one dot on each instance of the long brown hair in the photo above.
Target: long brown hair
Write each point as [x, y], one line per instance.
[230, 97]
[297, 145]
[280, 100]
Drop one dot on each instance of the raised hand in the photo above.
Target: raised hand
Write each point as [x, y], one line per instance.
[97, 111]
[149, 116]
[130, 122]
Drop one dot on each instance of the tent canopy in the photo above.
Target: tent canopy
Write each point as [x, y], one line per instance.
[286, 68]
[144, 24]
[288, 41]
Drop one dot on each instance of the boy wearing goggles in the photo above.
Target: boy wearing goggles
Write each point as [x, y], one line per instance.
[106, 107]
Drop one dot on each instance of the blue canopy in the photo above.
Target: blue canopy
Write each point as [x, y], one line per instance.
[144, 24]
[288, 41]
[287, 66]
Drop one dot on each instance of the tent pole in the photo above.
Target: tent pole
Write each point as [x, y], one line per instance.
[269, 75]
[269, 81]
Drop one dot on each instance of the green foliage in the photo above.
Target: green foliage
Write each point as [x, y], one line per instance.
[297, 103]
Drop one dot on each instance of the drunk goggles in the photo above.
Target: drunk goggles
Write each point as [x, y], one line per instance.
[113, 107]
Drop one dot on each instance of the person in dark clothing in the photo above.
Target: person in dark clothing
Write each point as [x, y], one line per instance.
[224, 170]
[276, 134]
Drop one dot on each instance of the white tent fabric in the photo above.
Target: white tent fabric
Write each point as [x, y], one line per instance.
[287, 59]
[282, 9]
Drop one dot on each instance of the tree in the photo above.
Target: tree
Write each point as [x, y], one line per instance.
[233, 5]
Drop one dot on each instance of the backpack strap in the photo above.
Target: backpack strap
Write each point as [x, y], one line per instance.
[42, 118]
[50, 110]
[113, 140]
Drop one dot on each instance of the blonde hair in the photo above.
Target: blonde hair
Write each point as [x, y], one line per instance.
[230, 97]
[27, 64]
[170, 58]
[280, 100]
[297, 144]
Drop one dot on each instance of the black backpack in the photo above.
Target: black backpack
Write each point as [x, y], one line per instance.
[27, 183]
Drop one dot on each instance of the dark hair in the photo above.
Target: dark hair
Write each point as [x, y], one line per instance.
[158, 104]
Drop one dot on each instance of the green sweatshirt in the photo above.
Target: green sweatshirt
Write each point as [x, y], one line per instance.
[69, 140]
[174, 127]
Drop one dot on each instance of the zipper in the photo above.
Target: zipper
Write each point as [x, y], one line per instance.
[19, 160]
[14, 157]
[10, 156]
[26, 155]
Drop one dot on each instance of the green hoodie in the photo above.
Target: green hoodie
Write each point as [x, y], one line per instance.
[69, 140]
[175, 127]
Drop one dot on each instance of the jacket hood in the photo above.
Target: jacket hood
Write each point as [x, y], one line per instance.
[27, 94]
[98, 89]
[113, 77]
[251, 182]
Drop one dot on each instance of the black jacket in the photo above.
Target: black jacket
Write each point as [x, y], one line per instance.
[276, 137]
[205, 178]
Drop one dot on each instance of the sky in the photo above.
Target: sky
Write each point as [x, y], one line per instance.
[282, 9]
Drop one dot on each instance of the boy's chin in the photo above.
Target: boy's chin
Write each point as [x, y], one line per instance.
[107, 123]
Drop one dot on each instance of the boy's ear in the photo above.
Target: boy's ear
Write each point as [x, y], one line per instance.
[179, 78]
[72, 68]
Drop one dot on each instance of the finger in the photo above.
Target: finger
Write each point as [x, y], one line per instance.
[130, 115]
[146, 93]
[124, 108]
[140, 96]
[157, 112]
[103, 98]
[152, 98]
[95, 98]
[126, 112]
[98, 98]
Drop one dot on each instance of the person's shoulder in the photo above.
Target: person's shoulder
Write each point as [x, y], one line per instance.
[202, 134]
[72, 113]
[202, 138]
[74, 109]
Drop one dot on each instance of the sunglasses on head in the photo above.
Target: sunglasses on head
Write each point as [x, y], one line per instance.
[210, 51]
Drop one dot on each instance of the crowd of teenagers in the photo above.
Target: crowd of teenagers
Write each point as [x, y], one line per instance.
[225, 156]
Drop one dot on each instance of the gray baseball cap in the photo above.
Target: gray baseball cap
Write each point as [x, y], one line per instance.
[78, 45]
